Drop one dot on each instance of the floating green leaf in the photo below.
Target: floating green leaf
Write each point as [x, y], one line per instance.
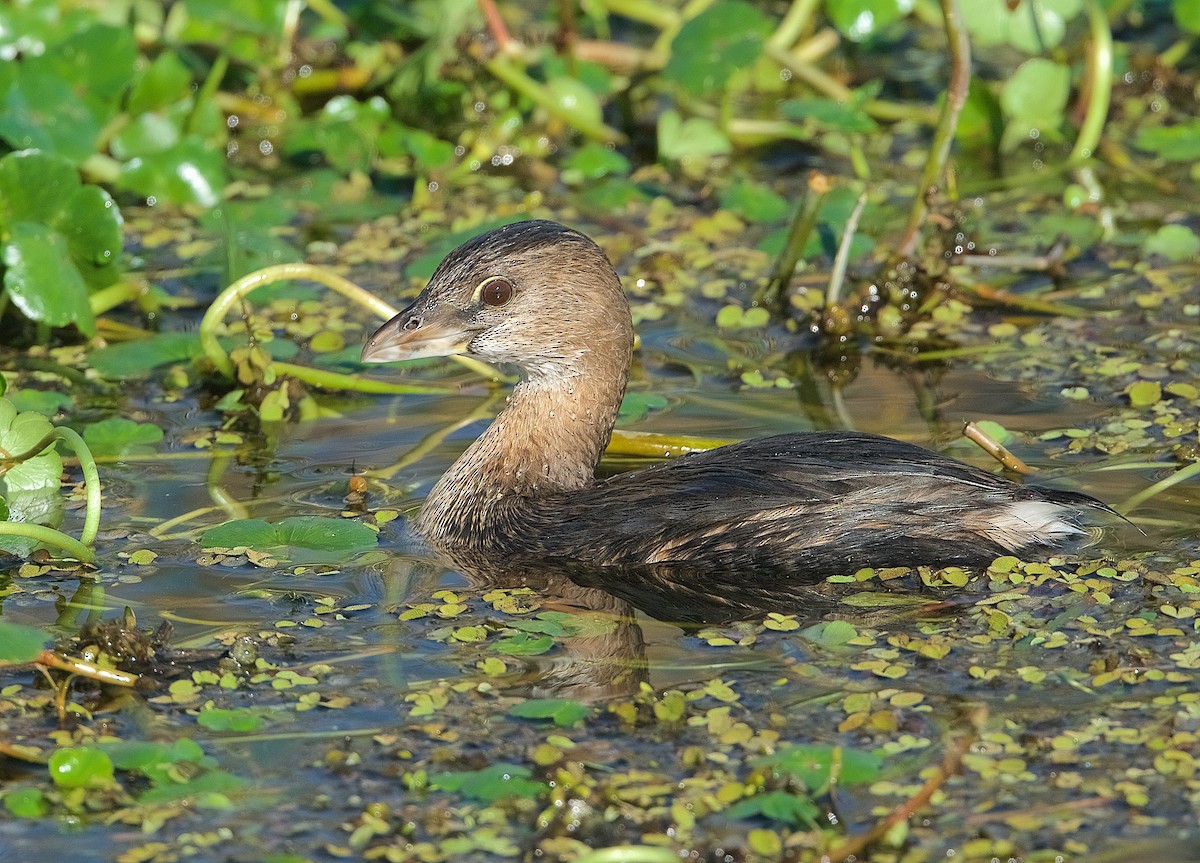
[26, 802]
[562, 711]
[782, 806]
[816, 766]
[525, 644]
[117, 436]
[334, 536]
[81, 767]
[131, 359]
[1173, 242]
[491, 783]
[220, 719]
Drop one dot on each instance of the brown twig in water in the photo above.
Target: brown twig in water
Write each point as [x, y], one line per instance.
[951, 763]
[83, 668]
[995, 449]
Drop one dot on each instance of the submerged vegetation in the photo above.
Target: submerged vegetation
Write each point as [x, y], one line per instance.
[805, 201]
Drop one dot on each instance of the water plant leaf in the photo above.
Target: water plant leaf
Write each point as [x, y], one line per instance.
[41, 111]
[694, 138]
[221, 719]
[21, 643]
[830, 114]
[1033, 100]
[147, 755]
[562, 711]
[859, 20]
[26, 802]
[711, 47]
[754, 202]
[1173, 242]
[817, 765]
[131, 359]
[491, 783]
[80, 767]
[191, 172]
[593, 161]
[525, 644]
[1179, 143]
[117, 436]
[782, 806]
[19, 432]
[61, 238]
[42, 280]
[305, 532]
[636, 405]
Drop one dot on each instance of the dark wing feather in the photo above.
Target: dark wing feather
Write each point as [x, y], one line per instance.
[809, 504]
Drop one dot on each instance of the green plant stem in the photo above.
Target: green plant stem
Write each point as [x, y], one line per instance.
[339, 381]
[91, 482]
[504, 69]
[658, 445]
[212, 82]
[1180, 49]
[943, 136]
[838, 276]
[654, 14]
[114, 295]
[49, 536]
[233, 294]
[773, 294]
[1100, 62]
[828, 86]
[268, 275]
[91, 476]
[1135, 500]
[797, 17]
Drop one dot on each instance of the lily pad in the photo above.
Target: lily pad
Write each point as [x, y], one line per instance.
[118, 436]
[781, 806]
[300, 536]
[562, 711]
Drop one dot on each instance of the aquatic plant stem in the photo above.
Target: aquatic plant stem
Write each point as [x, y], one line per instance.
[797, 17]
[87, 463]
[972, 432]
[84, 668]
[237, 291]
[48, 536]
[1100, 73]
[1135, 500]
[943, 136]
[773, 295]
[838, 277]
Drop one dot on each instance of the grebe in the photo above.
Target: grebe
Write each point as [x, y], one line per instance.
[797, 507]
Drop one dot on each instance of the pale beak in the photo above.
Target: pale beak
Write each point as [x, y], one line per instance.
[412, 335]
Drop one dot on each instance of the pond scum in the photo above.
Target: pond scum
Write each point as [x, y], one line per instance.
[217, 640]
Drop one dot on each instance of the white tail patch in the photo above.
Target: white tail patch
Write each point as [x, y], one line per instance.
[1037, 522]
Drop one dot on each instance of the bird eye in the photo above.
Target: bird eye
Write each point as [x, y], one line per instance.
[495, 291]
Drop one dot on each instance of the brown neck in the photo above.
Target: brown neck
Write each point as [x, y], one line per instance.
[546, 440]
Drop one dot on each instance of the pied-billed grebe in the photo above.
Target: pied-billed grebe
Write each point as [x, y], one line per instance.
[802, 506]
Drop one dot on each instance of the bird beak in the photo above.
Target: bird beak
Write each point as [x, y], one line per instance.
[412, 335]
